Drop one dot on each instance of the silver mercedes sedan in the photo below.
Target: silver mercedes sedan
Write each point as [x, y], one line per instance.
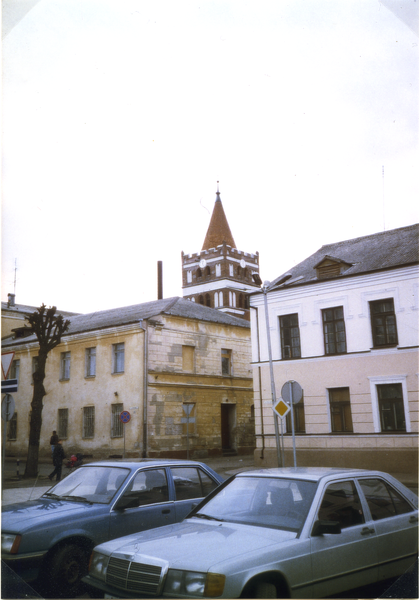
[272, 533]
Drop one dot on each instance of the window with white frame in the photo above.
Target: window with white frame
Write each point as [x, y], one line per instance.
[117, 427]
[231, 270]
[390, 406]
[383, 323]
[232, 299]
[14, 370]
[218, 270]
[189, 276]
[65, 365]
[88, 421]
[290, 336]
[118, 358]
[90, 362]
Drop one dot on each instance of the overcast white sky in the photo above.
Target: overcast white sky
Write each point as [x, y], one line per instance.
[119, 117]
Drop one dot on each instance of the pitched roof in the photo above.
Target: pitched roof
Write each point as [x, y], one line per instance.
[380, 251]
[127, 315]
[218, 230]
[27, 310]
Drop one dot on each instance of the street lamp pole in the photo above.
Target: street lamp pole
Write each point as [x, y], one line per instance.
[271, 369]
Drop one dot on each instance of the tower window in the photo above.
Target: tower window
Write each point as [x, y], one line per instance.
[198, 273]
[218, 270]
[207, 272]
[207, 300]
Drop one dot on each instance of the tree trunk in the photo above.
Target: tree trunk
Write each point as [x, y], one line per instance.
[31, 469]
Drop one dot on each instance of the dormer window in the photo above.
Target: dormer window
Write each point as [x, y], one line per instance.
[330, 267]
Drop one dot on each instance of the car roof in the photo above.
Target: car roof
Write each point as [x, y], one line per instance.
[149, 462]
[308, 473]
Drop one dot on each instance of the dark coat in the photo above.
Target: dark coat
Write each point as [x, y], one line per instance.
[58, 456]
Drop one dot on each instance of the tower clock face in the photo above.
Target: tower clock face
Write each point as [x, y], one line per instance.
[242, 263]
[202, 263]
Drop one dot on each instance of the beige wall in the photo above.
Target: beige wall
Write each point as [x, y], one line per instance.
[168, 387]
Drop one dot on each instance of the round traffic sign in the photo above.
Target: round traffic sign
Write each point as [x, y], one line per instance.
[7, 407]
[292, 392]
[125, 416]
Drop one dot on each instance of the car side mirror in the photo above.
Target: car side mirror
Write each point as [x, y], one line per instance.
[322, 527]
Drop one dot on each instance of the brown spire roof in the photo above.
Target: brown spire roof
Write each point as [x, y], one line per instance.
[218, 229]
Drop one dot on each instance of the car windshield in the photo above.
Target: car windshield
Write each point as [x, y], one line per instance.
[90, 484]
[267, 502]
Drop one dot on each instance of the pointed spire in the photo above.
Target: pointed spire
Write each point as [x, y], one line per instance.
[218, 230]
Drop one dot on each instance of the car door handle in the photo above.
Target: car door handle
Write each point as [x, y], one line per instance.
[367, 530]
[413, 520]
[166, 511]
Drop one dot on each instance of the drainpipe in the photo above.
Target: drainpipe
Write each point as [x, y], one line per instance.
[145, 389]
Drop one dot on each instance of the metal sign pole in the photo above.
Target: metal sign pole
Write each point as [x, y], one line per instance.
[268, 335]
[292, 424]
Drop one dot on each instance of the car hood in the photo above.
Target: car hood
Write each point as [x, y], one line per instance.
[22, 516]
[196, 545]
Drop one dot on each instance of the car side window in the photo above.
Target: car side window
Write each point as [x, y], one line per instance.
[148, 487]
[383, 500]
[341, 503]
[191, 482]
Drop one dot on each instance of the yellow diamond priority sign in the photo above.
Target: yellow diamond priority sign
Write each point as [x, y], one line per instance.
[281, 408]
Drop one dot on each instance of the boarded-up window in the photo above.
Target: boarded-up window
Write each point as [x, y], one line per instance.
[188, 358]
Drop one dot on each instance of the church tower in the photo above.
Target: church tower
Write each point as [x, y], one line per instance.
[220, 276]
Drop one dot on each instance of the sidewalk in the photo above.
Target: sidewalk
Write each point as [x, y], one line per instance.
[16, 489]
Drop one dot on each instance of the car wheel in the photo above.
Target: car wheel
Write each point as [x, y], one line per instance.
[68, 565]
[264, 589]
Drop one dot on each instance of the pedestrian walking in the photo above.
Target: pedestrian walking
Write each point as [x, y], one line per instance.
[53, 441]
[57, 460]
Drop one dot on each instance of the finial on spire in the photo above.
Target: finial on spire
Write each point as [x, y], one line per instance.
[218, 191]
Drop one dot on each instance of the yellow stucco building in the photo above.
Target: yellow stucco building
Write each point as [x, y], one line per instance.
[181, 371]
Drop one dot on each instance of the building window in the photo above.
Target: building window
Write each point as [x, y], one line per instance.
[231, 270]
[90, 362]
[15, 369]
[218, 270]
[299, 418]
[65, 365]
[198, 273]
[383, 323]
[208, 300]
[207, 271]
[225, 361]
[88, 421]
[340, 410]
[62, 423]
[334, 330]
[232, 299]
[117, 427]
[201, 299]
[391, 407]
[188, 358]
[189, 276]
[290, 336]
[12, 426]
[118, 353]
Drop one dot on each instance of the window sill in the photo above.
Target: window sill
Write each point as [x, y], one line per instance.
[90, 376]
[118, 373]
[64, 379]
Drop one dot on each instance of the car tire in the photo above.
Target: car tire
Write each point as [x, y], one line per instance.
[265, 589]
[68, 565]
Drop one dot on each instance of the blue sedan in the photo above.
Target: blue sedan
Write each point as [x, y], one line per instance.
[50, 539]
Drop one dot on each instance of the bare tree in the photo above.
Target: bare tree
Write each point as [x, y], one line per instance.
[48, 328]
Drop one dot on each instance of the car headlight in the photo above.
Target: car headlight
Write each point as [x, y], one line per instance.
[194, 584]
[10, 543]
[98, 565]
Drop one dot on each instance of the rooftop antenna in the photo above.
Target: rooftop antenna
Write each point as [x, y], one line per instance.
[14, 283]
[384, 208]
